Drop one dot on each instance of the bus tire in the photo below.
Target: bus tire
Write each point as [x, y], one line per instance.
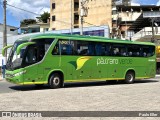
[55, 81]
[129, 78]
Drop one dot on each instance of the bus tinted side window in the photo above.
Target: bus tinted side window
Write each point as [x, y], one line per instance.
[134, 51]
[42, 46]
[67, 47]
[89, 48]
[82, 47]
[102, 49]
[119, 50]
[31, 56]
[93, 48]
[85, 48]
[148, 51]
[141, 50]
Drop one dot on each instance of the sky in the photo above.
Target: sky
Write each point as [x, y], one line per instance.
[146, 2]
[14, 16]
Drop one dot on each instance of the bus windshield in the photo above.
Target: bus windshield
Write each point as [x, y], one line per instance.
[28, 53]
[14, 61]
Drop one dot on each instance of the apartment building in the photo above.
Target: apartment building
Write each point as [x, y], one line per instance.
[66, 14]
[128, 21]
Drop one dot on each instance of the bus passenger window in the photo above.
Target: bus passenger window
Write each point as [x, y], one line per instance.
[148, 51]
[83, 48]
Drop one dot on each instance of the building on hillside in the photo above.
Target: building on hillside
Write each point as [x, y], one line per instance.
[66, 14]
[11, 30]
[33, 28]
[128, 21]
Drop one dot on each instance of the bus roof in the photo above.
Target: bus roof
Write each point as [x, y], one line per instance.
[80, 37]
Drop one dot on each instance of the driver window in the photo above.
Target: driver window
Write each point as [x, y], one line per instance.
[31, 56]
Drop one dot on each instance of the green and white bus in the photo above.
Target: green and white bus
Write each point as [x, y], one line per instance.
[55, 59]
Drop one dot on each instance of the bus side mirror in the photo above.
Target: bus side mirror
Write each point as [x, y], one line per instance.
[5, 48]
[23, 45]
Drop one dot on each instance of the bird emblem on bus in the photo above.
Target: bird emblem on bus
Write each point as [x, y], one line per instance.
[81, 61]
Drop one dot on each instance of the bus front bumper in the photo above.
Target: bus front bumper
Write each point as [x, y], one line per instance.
[14, 79]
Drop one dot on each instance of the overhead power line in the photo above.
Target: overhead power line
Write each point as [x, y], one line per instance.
[56, 20]
[22, 9]
[34, 13]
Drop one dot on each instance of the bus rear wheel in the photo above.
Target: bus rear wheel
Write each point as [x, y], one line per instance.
[129, 78]
[55, 81]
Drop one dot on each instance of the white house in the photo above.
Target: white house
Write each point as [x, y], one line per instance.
[11, 31]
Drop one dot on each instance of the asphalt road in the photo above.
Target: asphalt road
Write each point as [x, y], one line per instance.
[6, 87]
[143, 95]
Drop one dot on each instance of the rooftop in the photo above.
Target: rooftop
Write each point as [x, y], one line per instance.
[9, 26]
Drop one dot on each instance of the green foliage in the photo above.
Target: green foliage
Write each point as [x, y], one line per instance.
[28, 22]
[44, 17]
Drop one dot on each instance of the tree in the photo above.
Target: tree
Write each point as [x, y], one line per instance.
[44, 17]
[28, 22]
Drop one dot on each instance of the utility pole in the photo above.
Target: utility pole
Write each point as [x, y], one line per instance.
[81, 17]
[82, 14]
[71, 17]
[4, 27]
[152, 39]
[4, 38]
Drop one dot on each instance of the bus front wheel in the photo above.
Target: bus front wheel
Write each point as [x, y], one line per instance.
[55, 81]
[129, 78]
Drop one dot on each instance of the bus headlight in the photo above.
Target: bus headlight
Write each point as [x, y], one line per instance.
[19, 73]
